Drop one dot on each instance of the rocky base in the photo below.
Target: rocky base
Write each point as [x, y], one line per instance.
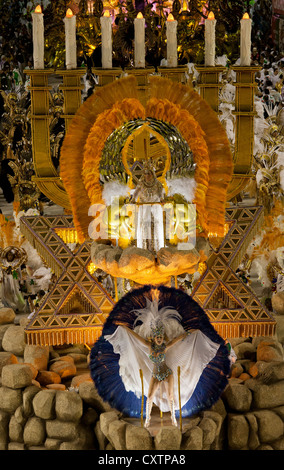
[49, 402]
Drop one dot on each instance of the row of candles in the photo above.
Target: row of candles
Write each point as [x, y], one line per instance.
[139, 40]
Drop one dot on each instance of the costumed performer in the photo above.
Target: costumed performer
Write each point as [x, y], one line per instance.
[150, 216]
[158, 341]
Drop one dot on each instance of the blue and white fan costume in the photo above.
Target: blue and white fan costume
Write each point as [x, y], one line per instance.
[118, 356]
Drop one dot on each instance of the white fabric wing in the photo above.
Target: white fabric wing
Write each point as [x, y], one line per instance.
[192, 354]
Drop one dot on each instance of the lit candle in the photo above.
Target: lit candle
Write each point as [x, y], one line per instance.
[38, 38]
[171, 41]
[106, 30]
[70, 40]
[245, 40]
[210, 24]
[139, 41]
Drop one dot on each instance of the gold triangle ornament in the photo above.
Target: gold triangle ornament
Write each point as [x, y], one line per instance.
[76, 307]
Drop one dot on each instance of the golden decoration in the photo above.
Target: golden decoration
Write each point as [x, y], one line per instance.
[117, 102]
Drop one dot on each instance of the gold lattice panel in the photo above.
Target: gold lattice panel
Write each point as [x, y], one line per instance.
[243, 314]
[77, 306]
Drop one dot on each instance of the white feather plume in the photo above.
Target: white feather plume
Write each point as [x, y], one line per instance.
[151, 316]
[184, 186]
[114, 189]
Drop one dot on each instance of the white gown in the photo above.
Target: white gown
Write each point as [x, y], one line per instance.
[192, 354]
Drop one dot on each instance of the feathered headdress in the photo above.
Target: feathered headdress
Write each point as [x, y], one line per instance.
[157, 322]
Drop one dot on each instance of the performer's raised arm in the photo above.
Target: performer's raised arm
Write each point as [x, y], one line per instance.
[133, 333]
[178, 338]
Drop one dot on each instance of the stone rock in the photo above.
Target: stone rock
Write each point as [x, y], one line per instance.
[219, 409]
[238, 432]
[7, 358]
[257, 368]
[44, 404]
[209, 428]
[270, 426]
[16, 446]
[101, 438]
[37, 356]
[269, 396]
[253, 441]
[52, 444]
[16, 376]
[245, 351]
[278, 444]
[22, 319]
[20, 415]
[16, 430]
[277, 301]
[168, 438]
[90, 417]
[68, 406]
[64, 368]
[236, 370]
[7, 315]
[269, 351]
[244, 376]
[105, 420]
[116, 431]
[246, 364]
[78, 379]
[28, 396]
[14, 340]
[4, 429]
[36, 383]
[265, 447]
[138, 438]
[3, 329]
[192, 439]
[10, 399]
[89, 394]
[78, 358]
[65, 358]
[34, 432]
[83, 441]
[271, 372]
[237, 397]
[61, 387]
[34, 371]
[280, 411]
[64, 430]
[37, 448]
[46, 377]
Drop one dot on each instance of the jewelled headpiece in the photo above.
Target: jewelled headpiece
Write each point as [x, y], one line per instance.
[157, 329]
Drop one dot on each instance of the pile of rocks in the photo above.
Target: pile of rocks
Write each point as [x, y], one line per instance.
[48, 401]
[55, 368]
[254, 398]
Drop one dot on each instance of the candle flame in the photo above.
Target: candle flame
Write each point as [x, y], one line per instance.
[246, 16]
[184, 5]
[69, 13]
[38, 9]
[106, 13]
[139, 15]
[211, 16]
[170, 17]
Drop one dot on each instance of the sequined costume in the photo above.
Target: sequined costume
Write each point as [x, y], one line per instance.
[158, 357]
